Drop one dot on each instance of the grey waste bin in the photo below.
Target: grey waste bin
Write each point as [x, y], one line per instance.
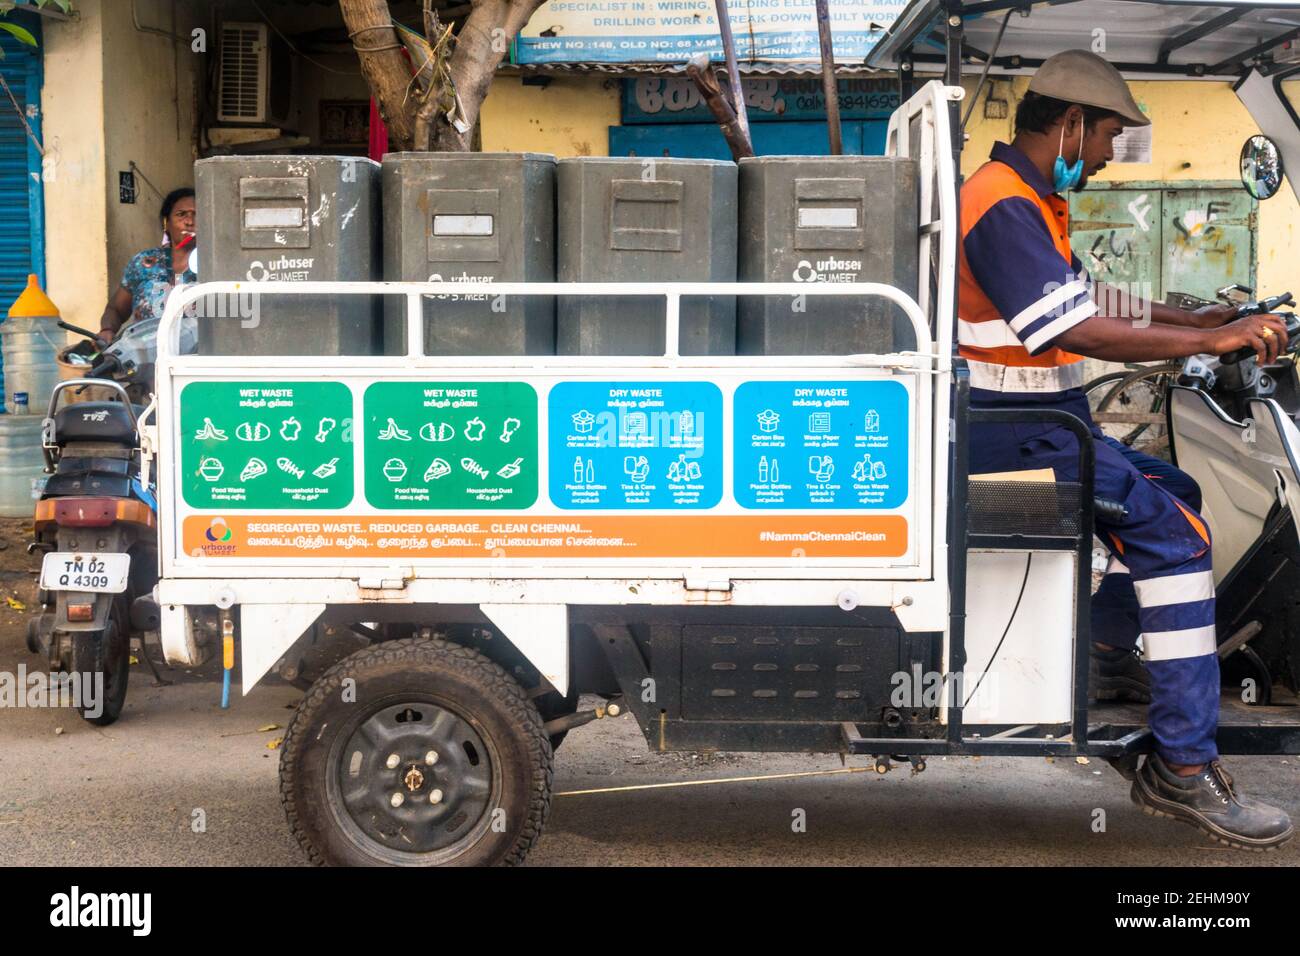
[656, 220]
[826, 219]
[461, 217]
[299, 218]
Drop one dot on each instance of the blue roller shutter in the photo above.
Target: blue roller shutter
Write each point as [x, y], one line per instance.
[22, 219]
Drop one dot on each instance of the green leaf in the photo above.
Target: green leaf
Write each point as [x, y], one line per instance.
[17, 31]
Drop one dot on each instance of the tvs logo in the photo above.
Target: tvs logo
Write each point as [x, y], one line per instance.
[218, 531]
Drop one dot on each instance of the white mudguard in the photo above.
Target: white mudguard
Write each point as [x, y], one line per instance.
[1242, 467]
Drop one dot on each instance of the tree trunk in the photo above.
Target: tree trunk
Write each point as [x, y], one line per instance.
[370, 26]
[480, 46]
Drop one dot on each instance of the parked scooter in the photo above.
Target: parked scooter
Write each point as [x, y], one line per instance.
[1233, 428]
[96, 524]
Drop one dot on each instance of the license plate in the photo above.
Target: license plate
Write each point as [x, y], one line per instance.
[68, 571]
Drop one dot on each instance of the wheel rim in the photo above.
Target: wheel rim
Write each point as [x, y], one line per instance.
[444, 805]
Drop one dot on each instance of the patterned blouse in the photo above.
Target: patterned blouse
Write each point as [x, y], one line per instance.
[149, 279]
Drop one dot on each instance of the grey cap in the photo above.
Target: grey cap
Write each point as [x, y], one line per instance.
[1079, 76]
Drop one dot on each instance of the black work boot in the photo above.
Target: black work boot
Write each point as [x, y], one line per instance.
[1209, 801]
[1117, 675]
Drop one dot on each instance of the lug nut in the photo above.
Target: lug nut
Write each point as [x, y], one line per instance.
[431, 757]
[393, 761]
[396, 799]
[435, 796]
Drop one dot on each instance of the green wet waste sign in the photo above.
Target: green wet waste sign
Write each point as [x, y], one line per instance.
[453, 445]
[272, 445]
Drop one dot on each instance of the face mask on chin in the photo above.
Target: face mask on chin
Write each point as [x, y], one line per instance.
[1067, 177]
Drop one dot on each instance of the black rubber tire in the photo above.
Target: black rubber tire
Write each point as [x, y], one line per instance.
[455, 678]
[107, 652]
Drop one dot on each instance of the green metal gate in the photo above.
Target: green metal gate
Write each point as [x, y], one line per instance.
[1154, 238]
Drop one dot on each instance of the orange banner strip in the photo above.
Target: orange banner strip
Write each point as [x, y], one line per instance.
[531, 536]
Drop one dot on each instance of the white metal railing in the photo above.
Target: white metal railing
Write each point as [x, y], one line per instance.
[415, 294]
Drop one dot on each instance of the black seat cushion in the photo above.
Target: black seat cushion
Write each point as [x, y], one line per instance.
[95, 421]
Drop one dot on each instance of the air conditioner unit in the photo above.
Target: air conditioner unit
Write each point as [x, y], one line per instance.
[254, 76]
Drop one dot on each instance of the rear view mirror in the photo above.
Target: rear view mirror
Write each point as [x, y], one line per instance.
[1261, 167]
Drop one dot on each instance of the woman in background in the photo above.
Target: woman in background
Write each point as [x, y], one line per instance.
[152, 274]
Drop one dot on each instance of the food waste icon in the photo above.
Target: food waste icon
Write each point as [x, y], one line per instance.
[210, 432]
[253, 431]
[392, 431]
[438, 469]
[255, 468]
[211, 469]
[394, 469]
[437, 432]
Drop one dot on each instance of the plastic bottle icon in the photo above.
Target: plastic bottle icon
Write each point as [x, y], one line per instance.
[762, 470]
[776, 471]
[577, 470]
[591, 471]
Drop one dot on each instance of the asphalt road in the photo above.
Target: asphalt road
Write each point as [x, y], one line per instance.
[74, 794]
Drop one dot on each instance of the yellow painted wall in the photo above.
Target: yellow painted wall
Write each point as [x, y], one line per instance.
[151, 101]
[76, 206]
[570, 116]
[1197, 132]
[108, 100]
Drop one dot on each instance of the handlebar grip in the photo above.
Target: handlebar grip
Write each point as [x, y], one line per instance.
[1263, 307]
[107, 365]
[80, 331]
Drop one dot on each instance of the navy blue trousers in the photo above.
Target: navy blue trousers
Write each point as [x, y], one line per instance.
[1159, 585]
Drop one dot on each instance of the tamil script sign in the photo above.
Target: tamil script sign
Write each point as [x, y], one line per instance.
[671, 31]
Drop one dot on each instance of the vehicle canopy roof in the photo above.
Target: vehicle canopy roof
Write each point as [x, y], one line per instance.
[1169, 39]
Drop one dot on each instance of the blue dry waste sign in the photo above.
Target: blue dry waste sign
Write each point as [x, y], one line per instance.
[635, 445]
[840, 445]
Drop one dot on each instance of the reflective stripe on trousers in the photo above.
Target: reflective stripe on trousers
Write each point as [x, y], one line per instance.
[1164, 546]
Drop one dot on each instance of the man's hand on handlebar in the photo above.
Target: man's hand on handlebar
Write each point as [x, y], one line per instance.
[1250, 332]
